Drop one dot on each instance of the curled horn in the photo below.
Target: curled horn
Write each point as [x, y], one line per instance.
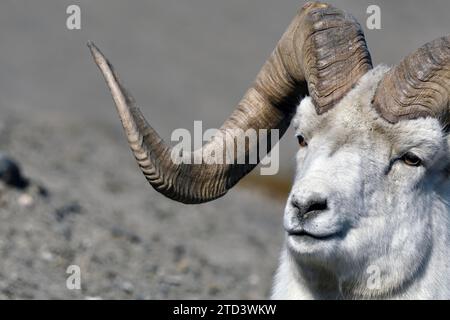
[323, 52]
[419, 86]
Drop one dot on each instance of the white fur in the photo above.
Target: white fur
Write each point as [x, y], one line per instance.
[392, 225]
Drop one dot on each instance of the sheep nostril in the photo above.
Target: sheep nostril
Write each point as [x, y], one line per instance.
[310, 206]
[317, 206]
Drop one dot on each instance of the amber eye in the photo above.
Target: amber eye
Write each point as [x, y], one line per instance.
[411, 159]
[301, 141]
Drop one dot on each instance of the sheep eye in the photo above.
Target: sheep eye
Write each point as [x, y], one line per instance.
[411, 159]
[301, 141]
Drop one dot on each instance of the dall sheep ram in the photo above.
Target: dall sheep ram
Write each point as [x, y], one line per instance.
[368, 213]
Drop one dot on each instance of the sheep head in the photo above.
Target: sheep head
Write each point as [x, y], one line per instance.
[367, 193]
[371, 188]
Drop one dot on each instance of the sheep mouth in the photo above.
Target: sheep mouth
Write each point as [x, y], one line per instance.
[305, 234]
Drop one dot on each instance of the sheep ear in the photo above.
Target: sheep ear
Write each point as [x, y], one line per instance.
[419, 86]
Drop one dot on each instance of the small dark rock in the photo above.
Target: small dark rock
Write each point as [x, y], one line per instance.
[43, 192]
[11, 174]
[66, 210]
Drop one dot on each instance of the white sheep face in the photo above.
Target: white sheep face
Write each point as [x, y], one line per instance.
[378, 207]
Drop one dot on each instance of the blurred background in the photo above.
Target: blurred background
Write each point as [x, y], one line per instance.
[85, 202]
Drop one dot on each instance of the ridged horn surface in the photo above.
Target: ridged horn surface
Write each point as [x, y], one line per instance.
[419, 86]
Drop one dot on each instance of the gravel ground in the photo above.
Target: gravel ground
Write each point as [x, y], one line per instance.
[88, 205]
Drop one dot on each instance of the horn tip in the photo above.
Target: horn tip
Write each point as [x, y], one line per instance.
[96, 53]
[92, 47]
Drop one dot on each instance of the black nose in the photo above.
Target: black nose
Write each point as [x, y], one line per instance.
[309, 207]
